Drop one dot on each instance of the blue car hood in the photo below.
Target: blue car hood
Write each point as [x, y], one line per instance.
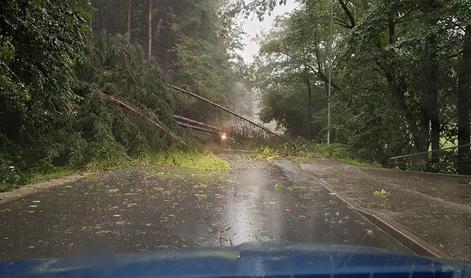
[246, 260]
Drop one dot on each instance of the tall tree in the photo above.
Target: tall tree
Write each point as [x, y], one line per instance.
[129, 21]
[149, 30]
[464, 106]
[400, 56]
[307, 80]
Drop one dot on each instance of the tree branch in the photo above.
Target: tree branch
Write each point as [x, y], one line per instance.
[323, 78]
[348, 13]
[342, 23]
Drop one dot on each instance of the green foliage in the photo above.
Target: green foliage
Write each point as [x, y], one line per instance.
[112, 132]
[52, 174]
[338, 152]
[395, 68]
[40, 41]
[55, 78]
[311, 150]
[192, 159]
[287, 106]
[171, 158]
[292, 72]
[275, 152]
[9, 176]
[279, 186]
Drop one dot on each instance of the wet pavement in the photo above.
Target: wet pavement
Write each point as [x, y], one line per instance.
[151, 208]
[435, 208]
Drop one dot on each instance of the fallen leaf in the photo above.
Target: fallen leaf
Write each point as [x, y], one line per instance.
[279, 186]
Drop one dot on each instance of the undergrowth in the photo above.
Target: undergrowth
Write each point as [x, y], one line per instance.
[174, 158]
[307, 151]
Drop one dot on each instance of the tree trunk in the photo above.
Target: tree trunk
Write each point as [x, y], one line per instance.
[101, 21]
[435, 128]
[431, 96]
[432, 74]
[398, 90]
[149, 23]
[417, 132]
[463, 105]
[309, 104]
[434, 114]
[129, 19]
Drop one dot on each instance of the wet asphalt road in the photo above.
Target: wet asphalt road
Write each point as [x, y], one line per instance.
[150, 208]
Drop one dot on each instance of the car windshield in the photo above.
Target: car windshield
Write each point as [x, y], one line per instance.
[134, 126]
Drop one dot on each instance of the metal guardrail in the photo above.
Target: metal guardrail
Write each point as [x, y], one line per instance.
[447, 160]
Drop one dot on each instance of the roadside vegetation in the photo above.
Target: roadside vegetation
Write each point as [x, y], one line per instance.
[193, 159]
[70, 71]
[401, 77]
[306, 151]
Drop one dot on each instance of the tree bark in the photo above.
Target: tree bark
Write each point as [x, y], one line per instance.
[309, 103]
[129, 19]
[101, 20]
[348, 13]
[149, 23]
[433, 72]
[463, 105]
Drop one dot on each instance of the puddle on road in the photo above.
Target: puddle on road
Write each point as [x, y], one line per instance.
[250, 207]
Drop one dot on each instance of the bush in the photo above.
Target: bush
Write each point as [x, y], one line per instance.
[10, 176]
[311, 150]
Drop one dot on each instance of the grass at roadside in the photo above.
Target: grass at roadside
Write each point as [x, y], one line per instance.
[175, 158]
[310, 151]
[337, 152]
[200, 160]
[53, 174]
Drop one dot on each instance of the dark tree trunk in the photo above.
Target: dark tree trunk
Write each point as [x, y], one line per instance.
[398, 91]
[432, 74]
[463, 104]
[424, 125]
[149, 31]
[431, 96]
[309, 104]
[101, 20]
[348, 13]
[129, 19]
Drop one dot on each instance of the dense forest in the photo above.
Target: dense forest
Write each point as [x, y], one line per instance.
[64, 63]
[400, 76]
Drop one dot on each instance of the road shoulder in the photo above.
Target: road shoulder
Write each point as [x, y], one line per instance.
[428, 211]
[33, 188]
